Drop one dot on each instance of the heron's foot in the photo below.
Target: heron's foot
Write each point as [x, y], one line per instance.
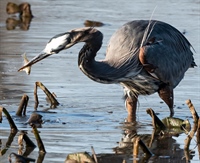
[131, 105]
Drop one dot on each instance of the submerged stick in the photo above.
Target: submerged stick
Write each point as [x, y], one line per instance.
[38, 139]
[9, 118]
[157, 123]
[22, 106]
[51, 97]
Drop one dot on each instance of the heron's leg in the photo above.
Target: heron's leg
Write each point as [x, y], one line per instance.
[167, 95]
[131, 105]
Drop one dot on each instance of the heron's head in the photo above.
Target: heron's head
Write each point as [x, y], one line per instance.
[64, 41]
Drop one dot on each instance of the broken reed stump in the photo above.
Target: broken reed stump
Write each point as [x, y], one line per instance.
[80, 157]
[38, 139]
[51, 97]
[193, 111]
[24, 9]
[9, 118]
[12, 8]
[91, 23]
[157, 123]
[188, 140]
[22, 106]
[194, 129]
[198, 137]
[94, 154]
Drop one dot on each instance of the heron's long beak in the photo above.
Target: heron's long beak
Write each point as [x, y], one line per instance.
[55, 45]
[35, 60]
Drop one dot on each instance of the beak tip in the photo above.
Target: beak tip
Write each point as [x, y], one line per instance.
[19, 70]
[23, 67]
[34, 60]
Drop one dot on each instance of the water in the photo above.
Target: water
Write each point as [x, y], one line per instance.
[90, 114]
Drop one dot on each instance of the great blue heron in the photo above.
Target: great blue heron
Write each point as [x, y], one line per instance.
[143, 56]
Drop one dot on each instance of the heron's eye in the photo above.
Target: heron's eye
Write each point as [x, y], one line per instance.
[85, 33]
[68, 39]
[151, 41]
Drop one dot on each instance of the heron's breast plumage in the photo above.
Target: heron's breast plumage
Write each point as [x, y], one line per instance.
[141, 84]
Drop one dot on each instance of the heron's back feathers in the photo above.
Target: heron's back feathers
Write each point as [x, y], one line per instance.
[165, 52]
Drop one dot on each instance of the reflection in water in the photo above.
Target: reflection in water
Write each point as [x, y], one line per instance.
[23, 23]
[8, 142]
[24, 19]
[20, 159]
[161, 142]
[162, 146]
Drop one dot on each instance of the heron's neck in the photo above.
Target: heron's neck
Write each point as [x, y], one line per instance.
[88, 52]
[96, 70]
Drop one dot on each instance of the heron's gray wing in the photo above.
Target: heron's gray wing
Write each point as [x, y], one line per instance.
[123, 48]
[167, 52]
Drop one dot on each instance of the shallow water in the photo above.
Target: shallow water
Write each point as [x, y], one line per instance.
[90, 114]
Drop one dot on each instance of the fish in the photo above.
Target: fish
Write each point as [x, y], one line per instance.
[25, 60]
